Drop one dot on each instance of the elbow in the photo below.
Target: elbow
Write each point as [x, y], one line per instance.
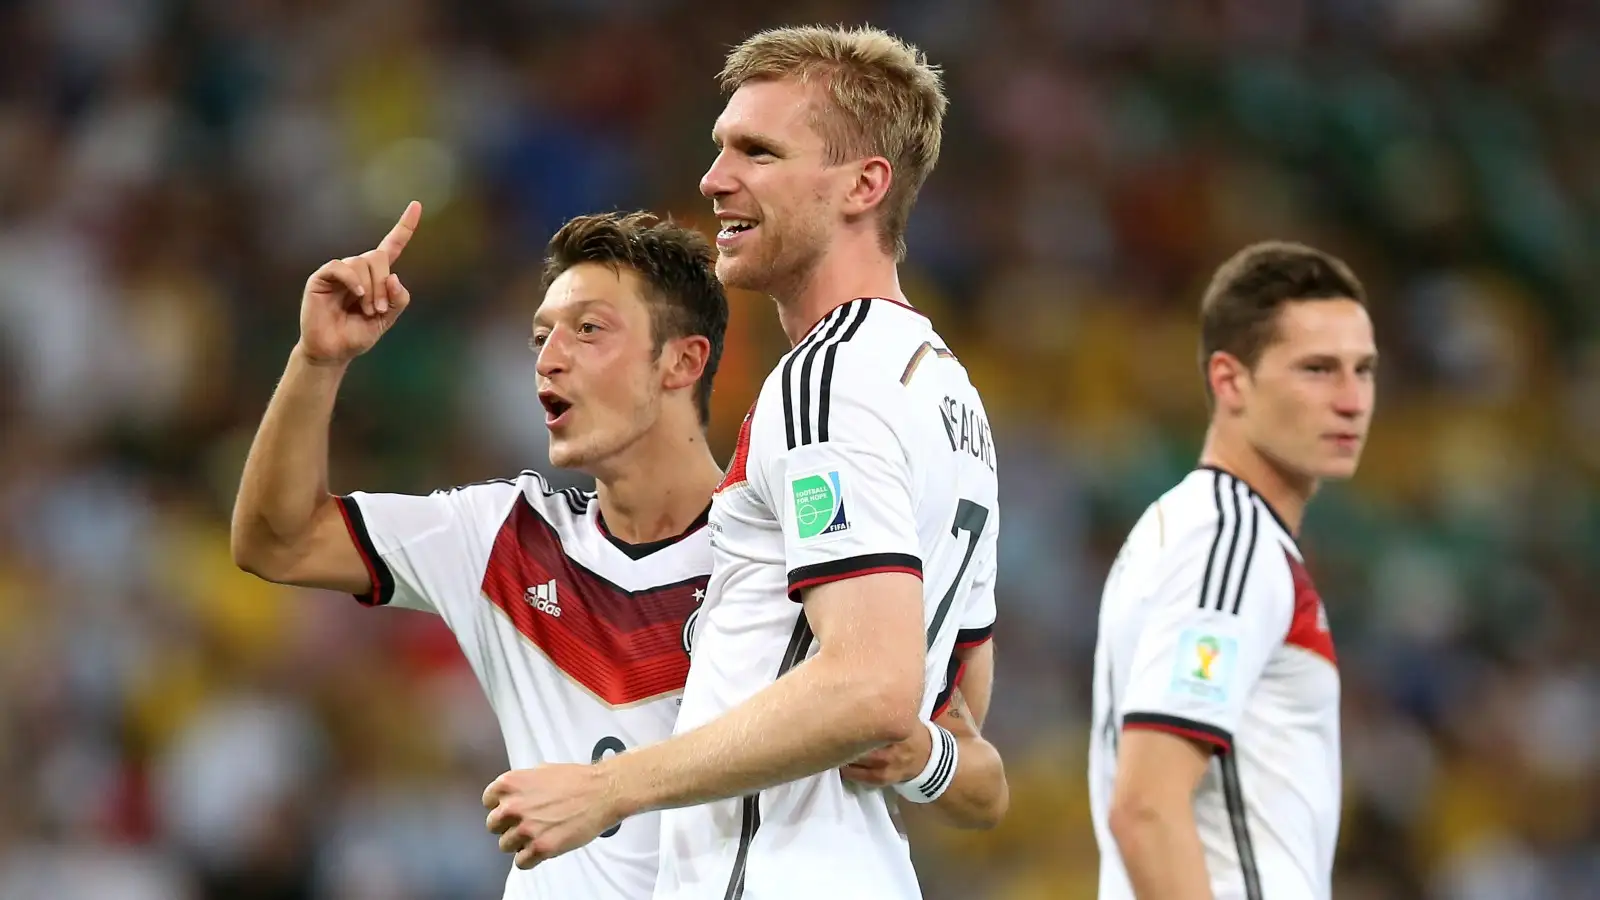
[988, 815]
[246, 555]
[249, 560]
[888, 706]
[893, 721]
[1132, 815]
[252, 553]
[989, 799]
[995, 811]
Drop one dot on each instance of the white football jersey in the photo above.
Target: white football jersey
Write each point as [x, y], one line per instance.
[580, 641]
[1210, 628]
[867, 450]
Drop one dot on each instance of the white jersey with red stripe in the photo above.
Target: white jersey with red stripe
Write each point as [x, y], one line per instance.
[1210, 628]
[580, 641]
[868, 450]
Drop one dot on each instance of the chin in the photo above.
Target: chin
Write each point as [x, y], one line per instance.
[738, 273]
[568, 454]
[1341, 469]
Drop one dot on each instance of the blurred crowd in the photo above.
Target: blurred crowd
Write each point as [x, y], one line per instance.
[170, 172]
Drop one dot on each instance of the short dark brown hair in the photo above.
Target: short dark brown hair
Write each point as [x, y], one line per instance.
[1239, 314]
[676, 262]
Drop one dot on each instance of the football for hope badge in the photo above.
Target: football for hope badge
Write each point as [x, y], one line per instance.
[1204, 667]
[819, 505]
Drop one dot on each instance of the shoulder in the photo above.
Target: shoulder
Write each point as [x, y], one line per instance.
[844, 369]
[1210, 515]
[561, 508]
[1225, 535]
[860, 342]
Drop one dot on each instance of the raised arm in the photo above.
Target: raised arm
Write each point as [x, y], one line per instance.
[286, 527]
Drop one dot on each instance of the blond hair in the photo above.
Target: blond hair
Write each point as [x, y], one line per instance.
[884, 99]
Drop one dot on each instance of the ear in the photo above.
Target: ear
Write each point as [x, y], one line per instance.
[1230, 381]
[683, 361]
[870, 187]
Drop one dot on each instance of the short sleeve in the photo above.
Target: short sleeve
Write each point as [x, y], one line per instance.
[1218, 610]
[426, 552]
[843, 493]
[977, 625]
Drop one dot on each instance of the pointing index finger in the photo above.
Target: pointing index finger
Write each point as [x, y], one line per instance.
[394, 243]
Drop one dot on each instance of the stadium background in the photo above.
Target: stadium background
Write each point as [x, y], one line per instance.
[171, 171]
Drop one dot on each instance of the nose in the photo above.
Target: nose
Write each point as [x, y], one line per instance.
[1354, 396]
[717, 181]
[553, 357]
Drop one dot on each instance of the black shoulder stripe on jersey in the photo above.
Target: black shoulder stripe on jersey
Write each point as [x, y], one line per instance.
[790, 430]
[806, 417]
[811, 425]
[1233, 796]
[576, 499]
[1230, 527]
[1256, 494]
[1250, 550]
[1216, 539]
[826, 390]
[799, 645]
[382, 578]
[1233, 544]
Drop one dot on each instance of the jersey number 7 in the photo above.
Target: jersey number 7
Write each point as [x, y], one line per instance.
[970, 517]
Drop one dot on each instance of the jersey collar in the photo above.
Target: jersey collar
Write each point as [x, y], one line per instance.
[1256, 494]
[640, 551]
[825, 316]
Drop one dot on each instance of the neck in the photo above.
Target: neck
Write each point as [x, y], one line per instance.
[1285, 491]
[856, 268]
[656, 488]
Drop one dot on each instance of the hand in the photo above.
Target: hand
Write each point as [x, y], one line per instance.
[349, 303]
[893, 763]
[545, 812]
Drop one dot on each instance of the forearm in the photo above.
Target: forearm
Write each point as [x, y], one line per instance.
[285, 478]
[819, 716]
[978, 796]
[1161, 852]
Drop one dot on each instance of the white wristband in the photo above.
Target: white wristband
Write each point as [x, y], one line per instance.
[940, 771]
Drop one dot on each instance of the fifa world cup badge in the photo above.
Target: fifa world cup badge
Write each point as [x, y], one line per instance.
[1204, 666]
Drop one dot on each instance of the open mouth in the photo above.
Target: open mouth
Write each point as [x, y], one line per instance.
[556, 407]
[732, 228]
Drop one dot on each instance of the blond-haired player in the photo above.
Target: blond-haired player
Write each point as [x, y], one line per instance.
[1214, 769]
[854, 537]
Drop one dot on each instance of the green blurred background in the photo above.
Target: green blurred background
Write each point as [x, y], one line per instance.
[170, 172]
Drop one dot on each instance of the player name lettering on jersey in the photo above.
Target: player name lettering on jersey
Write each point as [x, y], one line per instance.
[968, 431]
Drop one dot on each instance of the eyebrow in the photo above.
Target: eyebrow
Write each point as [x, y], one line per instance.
[1325, 356]
[745, 139]
[576, 307]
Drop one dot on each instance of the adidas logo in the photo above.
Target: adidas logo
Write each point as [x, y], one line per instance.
[543, 598]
